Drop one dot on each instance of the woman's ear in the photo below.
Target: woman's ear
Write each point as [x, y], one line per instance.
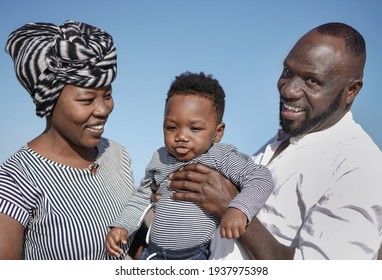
[219, 132]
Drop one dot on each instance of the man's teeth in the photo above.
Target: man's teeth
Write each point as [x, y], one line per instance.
[293, 108]
[97, 127]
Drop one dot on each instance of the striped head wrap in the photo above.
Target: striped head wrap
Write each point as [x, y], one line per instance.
[46, 57]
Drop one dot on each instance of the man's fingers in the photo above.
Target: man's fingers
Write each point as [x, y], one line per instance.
[186, 196]
[186, 175]
[193, 172]
[184, 186]
[197, 167]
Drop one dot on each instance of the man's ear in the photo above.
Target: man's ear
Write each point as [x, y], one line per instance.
[219, 132]
[353, 90]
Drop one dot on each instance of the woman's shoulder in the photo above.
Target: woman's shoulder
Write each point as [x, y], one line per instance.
[111, 150]
[22, 157]
[107, 144]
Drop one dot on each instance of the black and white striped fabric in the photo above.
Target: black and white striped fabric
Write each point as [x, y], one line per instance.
[181, 224]
[65, 211]
[46, 57]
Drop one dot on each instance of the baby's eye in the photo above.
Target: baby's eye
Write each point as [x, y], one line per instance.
[196, 129]
[168, 127]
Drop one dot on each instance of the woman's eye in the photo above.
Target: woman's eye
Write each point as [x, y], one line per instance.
[87, 101]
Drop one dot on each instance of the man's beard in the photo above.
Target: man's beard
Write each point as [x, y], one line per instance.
[308, 124]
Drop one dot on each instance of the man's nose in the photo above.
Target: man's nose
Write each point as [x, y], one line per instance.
[292, 88]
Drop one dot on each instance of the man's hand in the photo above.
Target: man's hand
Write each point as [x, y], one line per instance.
[204, 186]
[213, 192]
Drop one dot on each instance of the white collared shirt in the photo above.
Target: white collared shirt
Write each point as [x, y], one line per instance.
[327, 200]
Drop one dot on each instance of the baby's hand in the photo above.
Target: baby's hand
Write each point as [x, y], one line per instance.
[115, 235]
[233, 223]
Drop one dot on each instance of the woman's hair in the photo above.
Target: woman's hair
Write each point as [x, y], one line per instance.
[46, 57]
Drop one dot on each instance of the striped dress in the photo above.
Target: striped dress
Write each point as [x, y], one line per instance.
[65, 211]
[182, 224]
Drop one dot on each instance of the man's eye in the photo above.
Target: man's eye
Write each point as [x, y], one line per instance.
[287, 73]
[311, 81]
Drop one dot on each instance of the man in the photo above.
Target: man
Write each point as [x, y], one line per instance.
[327, 201]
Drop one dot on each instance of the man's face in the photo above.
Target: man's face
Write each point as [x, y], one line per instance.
[312, 85]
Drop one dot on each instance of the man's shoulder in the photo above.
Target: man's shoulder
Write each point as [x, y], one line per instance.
[263, 147]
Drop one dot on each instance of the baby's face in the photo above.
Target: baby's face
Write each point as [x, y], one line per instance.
[190, 126]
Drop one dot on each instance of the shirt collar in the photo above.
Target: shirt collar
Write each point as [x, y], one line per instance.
[336, 129]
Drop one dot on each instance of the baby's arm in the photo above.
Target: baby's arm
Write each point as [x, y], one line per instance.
[116, 235]
[233, 223]
[255, 181]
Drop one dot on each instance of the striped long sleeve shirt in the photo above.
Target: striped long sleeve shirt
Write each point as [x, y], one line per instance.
[182, 224]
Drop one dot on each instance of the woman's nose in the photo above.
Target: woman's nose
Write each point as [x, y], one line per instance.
[103, 108]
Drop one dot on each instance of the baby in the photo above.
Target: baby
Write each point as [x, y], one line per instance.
[193, 127]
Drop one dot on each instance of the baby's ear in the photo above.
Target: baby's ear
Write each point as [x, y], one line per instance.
[219, 132]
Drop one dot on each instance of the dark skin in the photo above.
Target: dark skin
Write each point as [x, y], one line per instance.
[213, 192]
[317, 71]
[198, 179]
[69, 138]
[11, 238]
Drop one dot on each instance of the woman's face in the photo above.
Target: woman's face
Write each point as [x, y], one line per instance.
[80, 114]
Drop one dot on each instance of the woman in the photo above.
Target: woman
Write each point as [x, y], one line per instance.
[59, 192]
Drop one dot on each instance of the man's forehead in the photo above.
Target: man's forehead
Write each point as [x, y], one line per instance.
[316, 53]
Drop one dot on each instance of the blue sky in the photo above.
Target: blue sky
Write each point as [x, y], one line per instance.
[242, 43]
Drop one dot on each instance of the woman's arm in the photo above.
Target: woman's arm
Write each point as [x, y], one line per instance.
[11, 238]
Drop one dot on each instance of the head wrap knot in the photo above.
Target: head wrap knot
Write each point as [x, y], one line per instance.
[46, 57]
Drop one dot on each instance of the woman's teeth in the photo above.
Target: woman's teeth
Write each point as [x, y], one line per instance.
[97, 127]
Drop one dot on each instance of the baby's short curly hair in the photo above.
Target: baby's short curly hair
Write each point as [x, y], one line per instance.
[202, 85]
